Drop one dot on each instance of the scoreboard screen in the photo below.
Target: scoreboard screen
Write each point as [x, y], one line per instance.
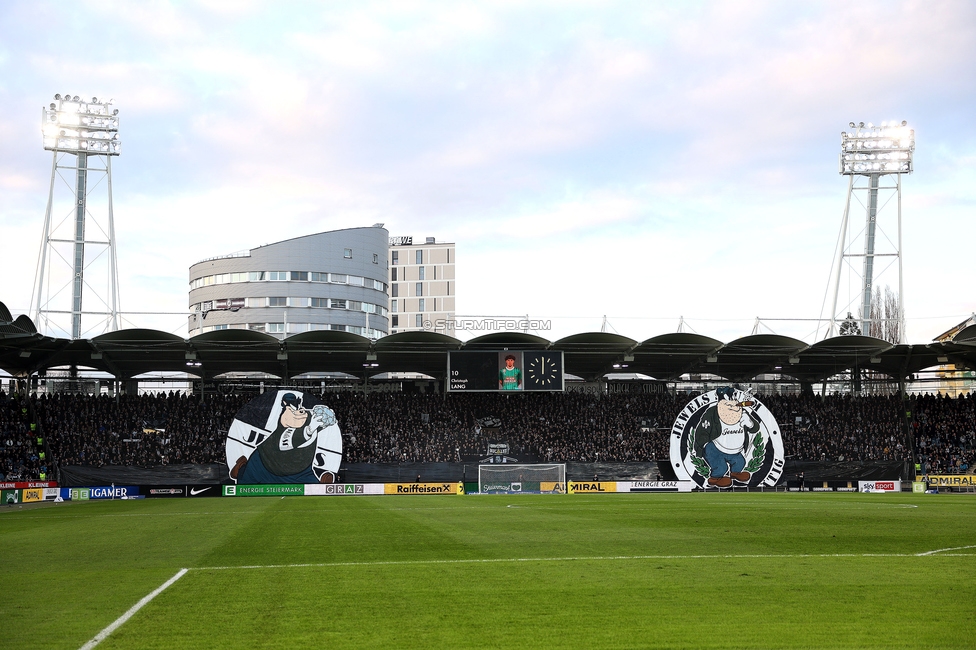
[472, 371]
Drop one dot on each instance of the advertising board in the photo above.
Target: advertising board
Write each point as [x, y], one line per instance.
[343, 489]
[950, 480]
[592, 487]
[655, 486]
[269, 490]
[423, 488]
[113, 492]
[879, 486]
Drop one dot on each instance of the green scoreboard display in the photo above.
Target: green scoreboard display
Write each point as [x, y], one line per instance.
[484, 371]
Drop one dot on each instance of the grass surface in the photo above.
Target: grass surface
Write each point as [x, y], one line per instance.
[703, 570]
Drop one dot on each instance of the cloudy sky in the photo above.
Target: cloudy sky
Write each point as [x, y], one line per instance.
[641, 161]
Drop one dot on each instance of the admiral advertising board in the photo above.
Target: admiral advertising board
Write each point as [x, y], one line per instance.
[591, 487]
[727, 438]
[949, 480]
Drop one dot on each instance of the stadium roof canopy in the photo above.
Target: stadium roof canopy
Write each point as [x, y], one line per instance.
[129, 353]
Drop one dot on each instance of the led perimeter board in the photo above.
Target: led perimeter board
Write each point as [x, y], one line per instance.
[489, 371]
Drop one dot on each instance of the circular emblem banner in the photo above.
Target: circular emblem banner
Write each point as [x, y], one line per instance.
[284, 436]
[727, 438]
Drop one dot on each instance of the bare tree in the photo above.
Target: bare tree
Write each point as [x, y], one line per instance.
[885, 316]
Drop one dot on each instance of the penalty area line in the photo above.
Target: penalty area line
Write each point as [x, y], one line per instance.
[101, 636]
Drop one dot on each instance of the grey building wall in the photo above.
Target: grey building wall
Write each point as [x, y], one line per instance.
[234, 294]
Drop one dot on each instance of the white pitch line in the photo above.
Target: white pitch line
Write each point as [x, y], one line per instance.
[566, 559]
[101, 636]
[944, 550]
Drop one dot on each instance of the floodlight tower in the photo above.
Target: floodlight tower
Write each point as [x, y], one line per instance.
[88, 132]
[871, 157]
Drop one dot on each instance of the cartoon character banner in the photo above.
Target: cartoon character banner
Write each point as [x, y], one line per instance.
[285, 436]
[727, 438]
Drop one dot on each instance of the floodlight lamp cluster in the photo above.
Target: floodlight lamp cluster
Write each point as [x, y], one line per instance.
[73, 125]
[884, 149]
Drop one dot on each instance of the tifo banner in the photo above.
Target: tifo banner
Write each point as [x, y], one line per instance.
[284, 436]
[423, 488]
[879, 486]
[577, 487]
[959, 480]
[726, 438]
[343, 489]
[656, 486]
[263, 490]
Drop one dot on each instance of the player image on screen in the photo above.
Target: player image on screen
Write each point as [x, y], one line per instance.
[510, 375]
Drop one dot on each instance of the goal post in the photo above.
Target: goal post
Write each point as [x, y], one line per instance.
[505, 478]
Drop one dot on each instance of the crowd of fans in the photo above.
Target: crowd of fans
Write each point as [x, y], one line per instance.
[21, 455]
[174, 428]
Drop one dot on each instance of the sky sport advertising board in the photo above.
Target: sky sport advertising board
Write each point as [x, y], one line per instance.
[492, 371]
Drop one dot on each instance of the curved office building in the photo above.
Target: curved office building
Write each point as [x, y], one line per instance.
[333, 280]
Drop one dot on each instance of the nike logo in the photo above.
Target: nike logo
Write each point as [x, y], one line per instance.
[195, 491]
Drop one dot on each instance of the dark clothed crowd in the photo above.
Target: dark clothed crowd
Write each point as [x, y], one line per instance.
[161, 429]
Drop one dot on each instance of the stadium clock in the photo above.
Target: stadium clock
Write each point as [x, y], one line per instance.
[543, 371]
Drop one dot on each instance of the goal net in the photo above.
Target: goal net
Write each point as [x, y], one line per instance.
[514, 479]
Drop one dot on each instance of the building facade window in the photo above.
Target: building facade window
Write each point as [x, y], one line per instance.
[393, 274]
[420, 320]
[393, 306]
[420, 257]
[395, 291]
[396, 320]
[295, 296]
[421, 275]
[396, 257]
[420, 305]
[420, 289]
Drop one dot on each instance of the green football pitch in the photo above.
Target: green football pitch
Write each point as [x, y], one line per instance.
[701, 570]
